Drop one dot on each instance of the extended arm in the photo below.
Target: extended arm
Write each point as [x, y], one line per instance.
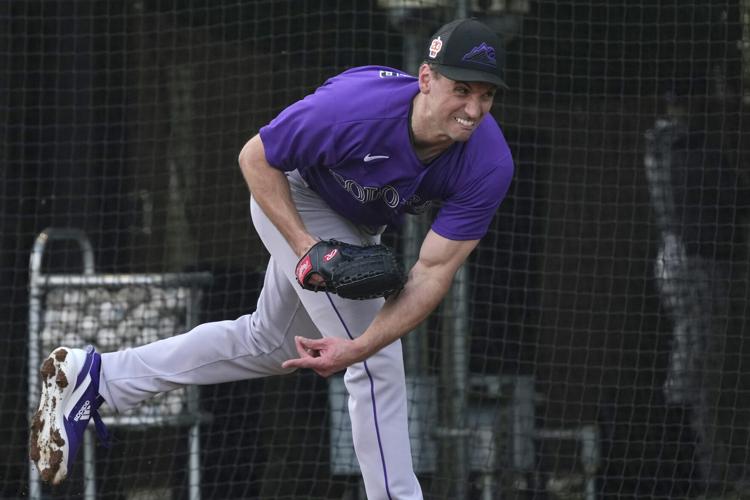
[270, 189]
[429, 281]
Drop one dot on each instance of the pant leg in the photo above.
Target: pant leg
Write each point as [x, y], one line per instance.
[377, 387]
[251, 346]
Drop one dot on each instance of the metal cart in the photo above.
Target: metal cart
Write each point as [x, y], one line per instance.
[112, 312]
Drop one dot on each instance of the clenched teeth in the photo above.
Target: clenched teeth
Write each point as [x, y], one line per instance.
[464, 122]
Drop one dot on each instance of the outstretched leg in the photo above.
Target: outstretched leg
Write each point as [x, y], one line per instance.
[251, 346]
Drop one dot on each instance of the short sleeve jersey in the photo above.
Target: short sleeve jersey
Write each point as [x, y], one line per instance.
[350, 141]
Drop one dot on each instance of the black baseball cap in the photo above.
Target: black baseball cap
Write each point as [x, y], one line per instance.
[467, 50]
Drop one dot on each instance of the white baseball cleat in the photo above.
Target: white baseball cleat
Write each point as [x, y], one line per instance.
[70, 398]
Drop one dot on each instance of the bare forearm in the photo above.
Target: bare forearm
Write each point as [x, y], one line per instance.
[401, 314]
[270, 189]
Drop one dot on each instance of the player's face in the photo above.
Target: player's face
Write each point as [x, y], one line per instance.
[457, 108]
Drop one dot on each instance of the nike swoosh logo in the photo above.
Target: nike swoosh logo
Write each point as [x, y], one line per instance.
[368, 157]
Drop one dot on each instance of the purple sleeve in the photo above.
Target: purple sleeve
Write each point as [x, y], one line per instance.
[466, 215]
[301, 136]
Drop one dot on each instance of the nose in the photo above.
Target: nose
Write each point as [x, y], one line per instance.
[473, 108]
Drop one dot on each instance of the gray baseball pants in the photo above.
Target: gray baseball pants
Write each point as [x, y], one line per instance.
[256, 344]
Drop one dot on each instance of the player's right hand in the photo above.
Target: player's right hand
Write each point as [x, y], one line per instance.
[324, 356]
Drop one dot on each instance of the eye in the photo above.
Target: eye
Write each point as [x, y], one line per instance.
[462, 90]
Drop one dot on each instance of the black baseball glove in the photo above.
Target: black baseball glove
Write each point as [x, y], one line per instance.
[351, 271]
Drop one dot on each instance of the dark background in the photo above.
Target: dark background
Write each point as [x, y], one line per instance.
[562, 286]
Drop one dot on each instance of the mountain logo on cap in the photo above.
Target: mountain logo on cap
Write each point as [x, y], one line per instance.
[481, 54]
[435, 47]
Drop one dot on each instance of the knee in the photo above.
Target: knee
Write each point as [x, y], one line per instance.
[363, 378]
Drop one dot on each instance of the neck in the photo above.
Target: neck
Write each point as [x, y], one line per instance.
[427, 143]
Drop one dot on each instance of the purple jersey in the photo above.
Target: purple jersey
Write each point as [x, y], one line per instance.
[350, 142]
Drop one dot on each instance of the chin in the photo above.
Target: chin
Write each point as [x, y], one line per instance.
[462, 136]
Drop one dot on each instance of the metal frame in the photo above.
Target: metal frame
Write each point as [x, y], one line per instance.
[40, 283]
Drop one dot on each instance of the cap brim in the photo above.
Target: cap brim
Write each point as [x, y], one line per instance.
[471, 75]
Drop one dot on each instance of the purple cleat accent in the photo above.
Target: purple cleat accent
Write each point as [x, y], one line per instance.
[70, 398]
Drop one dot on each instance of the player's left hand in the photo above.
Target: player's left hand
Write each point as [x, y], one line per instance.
[324, 356]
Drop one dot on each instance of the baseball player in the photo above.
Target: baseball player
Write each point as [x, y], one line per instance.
[369, 146]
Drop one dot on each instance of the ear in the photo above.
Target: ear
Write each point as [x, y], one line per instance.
[425, 78]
